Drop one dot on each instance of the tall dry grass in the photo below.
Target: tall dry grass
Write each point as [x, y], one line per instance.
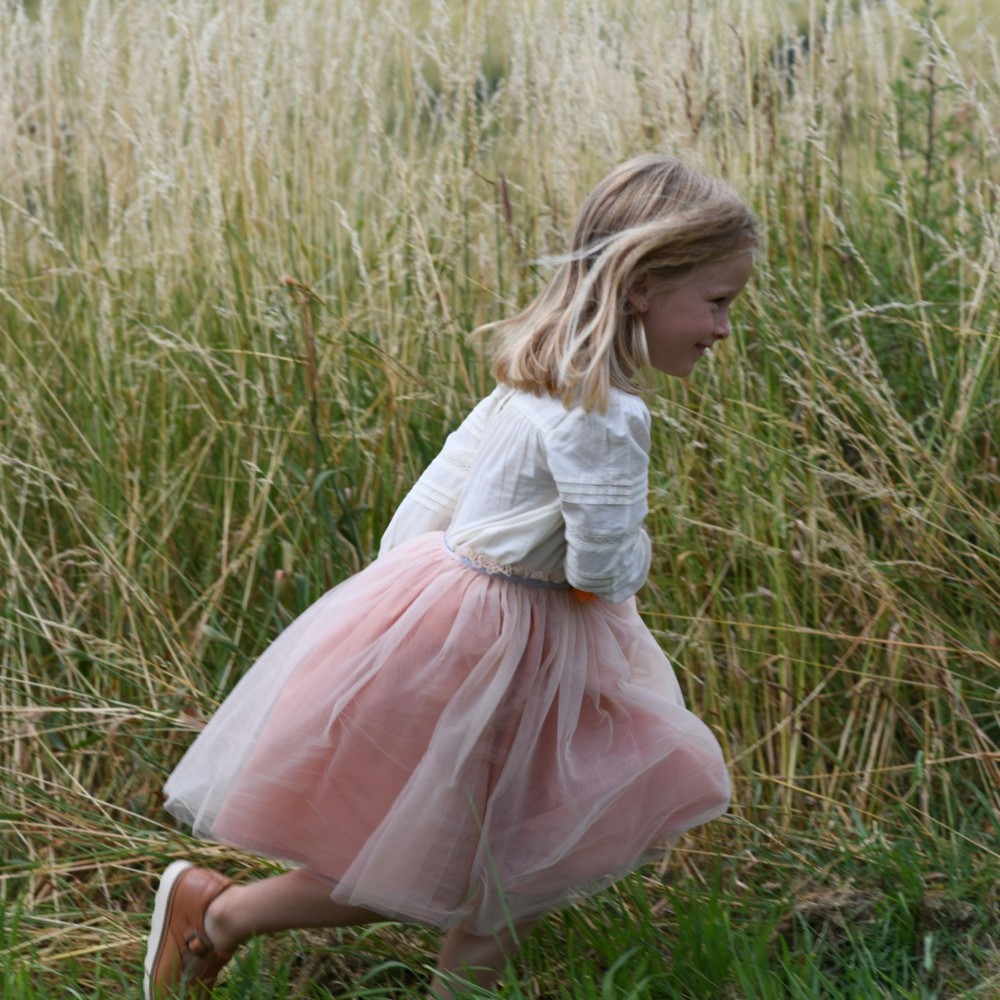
[241, 244]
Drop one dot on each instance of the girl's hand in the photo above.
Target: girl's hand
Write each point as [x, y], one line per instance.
[583, 596]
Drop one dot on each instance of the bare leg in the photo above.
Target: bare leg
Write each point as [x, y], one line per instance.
[475, 958]
[295, 899]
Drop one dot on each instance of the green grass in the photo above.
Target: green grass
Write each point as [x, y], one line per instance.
[241, 246]
[781, 919]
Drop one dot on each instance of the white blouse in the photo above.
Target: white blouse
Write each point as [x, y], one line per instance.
[528, 488]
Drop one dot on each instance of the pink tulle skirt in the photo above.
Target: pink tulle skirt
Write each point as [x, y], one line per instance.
[449, 746]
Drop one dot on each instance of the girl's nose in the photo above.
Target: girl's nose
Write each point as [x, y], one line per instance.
[722, 328]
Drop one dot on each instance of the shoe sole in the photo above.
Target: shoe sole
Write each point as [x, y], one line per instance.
[161, 914]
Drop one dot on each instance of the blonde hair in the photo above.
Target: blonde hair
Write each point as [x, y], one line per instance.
[651, 217]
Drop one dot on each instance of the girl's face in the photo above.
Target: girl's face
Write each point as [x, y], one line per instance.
[683, 322]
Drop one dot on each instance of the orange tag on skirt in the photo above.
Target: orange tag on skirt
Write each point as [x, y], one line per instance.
[583, 596]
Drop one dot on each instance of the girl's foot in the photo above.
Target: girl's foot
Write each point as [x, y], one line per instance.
[180, 953]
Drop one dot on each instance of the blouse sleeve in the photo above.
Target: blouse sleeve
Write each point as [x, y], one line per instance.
[431, 502]
[600, 463]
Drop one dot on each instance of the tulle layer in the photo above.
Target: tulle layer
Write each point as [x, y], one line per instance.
[447, 746]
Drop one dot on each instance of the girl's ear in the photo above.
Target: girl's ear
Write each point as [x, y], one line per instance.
[637, 295]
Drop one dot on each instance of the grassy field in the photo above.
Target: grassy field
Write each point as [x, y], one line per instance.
[241, 248]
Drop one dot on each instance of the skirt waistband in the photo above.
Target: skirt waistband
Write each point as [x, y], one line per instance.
[488, 567]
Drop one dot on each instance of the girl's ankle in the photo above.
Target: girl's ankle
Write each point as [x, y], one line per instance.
[220, 928]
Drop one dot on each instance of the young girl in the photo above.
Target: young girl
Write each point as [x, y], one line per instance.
[478, 727]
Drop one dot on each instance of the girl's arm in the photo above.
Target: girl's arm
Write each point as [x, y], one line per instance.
[430, 504]
[600, 464]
